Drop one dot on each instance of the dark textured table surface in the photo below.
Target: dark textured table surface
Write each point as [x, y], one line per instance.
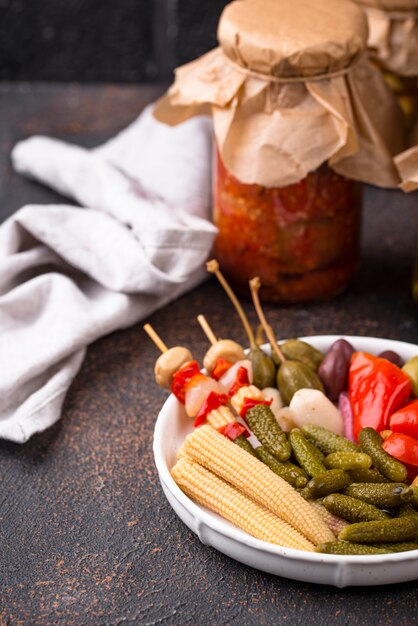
[86, 535]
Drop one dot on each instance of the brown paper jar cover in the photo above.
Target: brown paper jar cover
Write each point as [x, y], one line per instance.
[290, 88]
[393, 36]
[393, 42]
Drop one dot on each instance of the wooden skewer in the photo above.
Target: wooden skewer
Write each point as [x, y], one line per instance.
[155, 338]
[213, 267]
[255, 284]
[207, 329]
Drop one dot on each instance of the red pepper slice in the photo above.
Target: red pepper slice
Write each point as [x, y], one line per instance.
[182, 377]
[377, 388]
[221, 366]
[405, 420]
[402, 447]
[241, 380]
[233, 430]
[250, 402]
[213, 401]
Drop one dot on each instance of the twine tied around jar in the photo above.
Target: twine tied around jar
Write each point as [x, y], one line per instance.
[295, 79]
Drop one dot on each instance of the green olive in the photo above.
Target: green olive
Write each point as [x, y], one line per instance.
[297, 350]
[295, 375]
[411, 369]
[264, 370]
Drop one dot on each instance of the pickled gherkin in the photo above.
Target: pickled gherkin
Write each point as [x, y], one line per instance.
[383, 495]
[406, 510]
[290, 472]
[390, 530]
[414, 499]
[367, 476]
[397, 546]
[328, 441]
[352, 509]
[371, 444]
[262, 422]
[305, 453]
[347, 547]
[243, 443]
[326, 483]
[348, 460]
[295, 375]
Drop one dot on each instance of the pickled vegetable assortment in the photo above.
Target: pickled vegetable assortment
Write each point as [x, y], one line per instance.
[333, 437]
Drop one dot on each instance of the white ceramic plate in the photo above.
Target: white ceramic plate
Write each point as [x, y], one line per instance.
[171, 428]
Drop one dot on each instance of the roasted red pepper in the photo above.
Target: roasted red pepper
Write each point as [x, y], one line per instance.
[405, 420]
[377, 388]
[182, 377]
[240, 381]
[221, 366]
[250, 402]
[402, 447]
[213, 401]
[233, 430]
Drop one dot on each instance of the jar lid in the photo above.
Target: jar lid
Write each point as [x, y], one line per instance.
[390, 5]
[297, 38]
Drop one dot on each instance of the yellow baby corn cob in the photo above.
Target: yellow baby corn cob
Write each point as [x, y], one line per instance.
[334, 523]
[215, 452]
[207, 489]
[218, 418]
[237, 400]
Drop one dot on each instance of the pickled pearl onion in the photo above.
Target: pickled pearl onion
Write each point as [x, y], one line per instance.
[227, 380]
[311, 406]
[198, 391]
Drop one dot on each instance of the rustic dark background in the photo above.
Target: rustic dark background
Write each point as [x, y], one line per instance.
[103, 40]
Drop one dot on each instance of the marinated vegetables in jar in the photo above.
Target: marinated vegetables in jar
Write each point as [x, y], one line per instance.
[302, 240]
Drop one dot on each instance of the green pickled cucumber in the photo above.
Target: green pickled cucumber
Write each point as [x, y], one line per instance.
[290, 472]
[296, 350]
[295, 375]
[305, 453]
[317, 452]
[326, 483]
[264, 370]
[399, 546]
[371, 443]
[348, 460]
[385, 531]
[347, 547]
[411, 369]
[328, 441]
[414, 499]
[382, 495]
[406, 510]
[262, 422]
[367, 476]
[243, 443]
[352, 509]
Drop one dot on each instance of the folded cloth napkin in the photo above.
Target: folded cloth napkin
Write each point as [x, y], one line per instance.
[69, 274]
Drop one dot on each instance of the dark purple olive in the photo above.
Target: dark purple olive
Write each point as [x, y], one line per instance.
[333, 370]
[392, 356]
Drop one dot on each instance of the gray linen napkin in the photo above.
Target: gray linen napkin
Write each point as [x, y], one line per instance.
[69, 275]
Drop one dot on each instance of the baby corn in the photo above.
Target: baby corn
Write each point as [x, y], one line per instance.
[237, 400]
[215, 452]
[207, 489]
[218, 418]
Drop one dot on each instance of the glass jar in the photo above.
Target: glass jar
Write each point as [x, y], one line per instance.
[301, 240]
